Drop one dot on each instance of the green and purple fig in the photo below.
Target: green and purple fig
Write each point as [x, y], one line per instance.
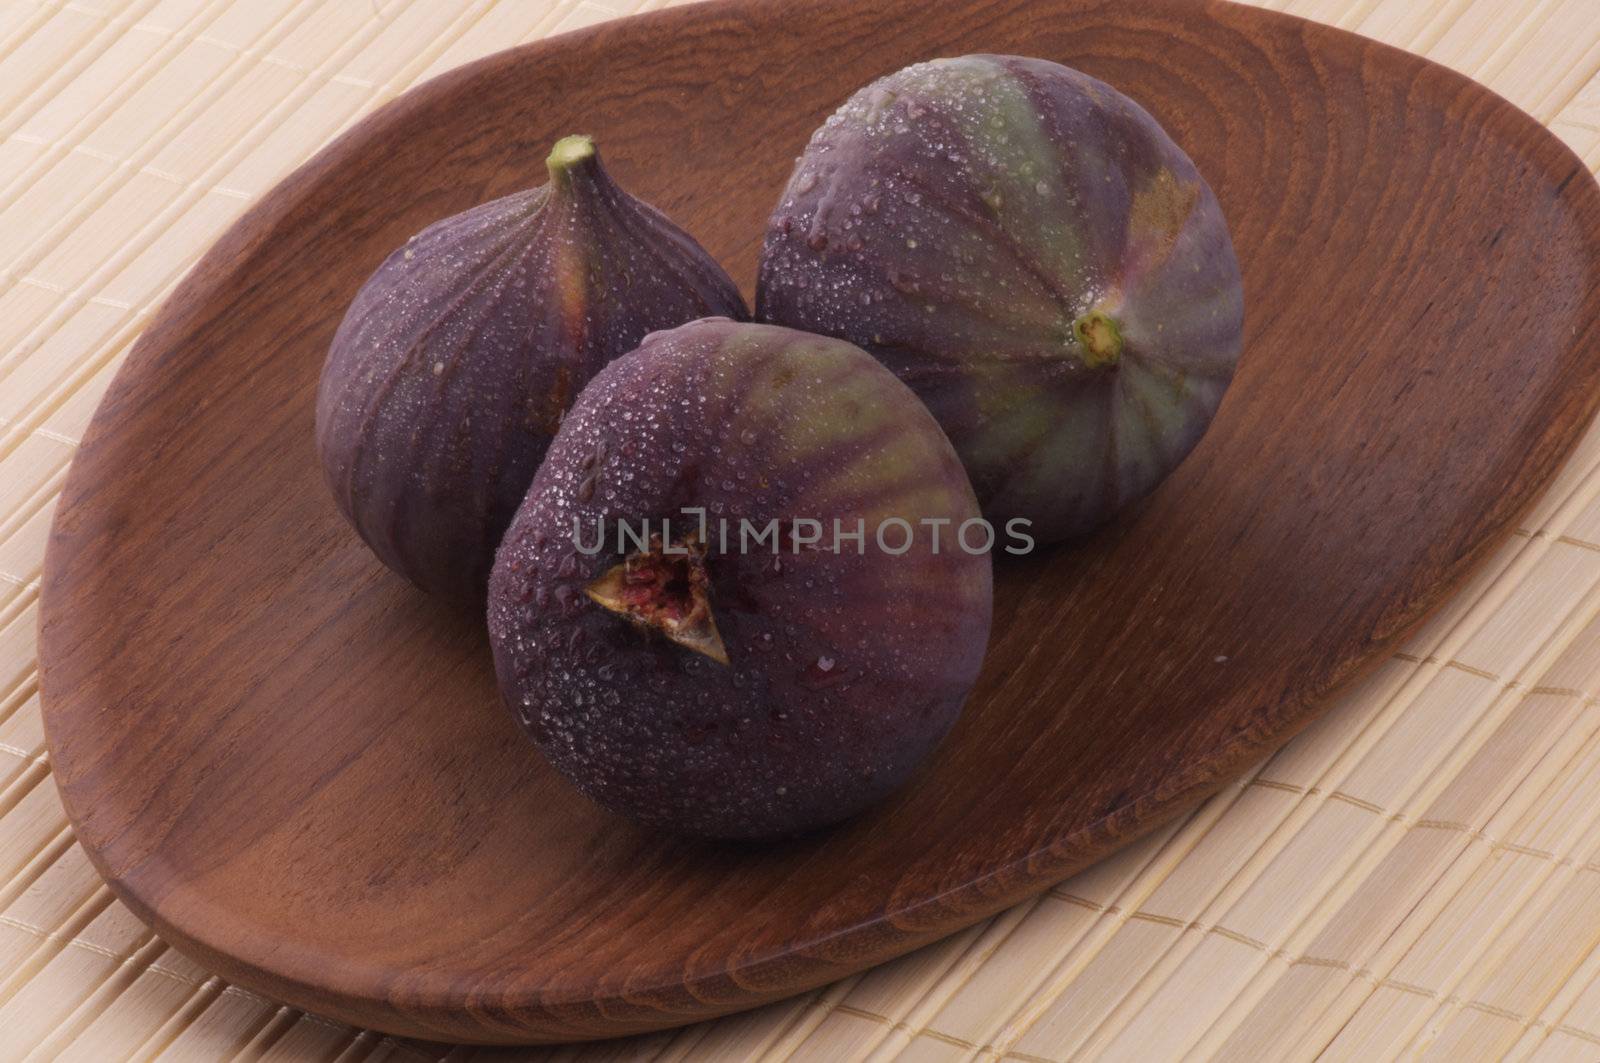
[1027, 249]
[458, 359]
[749, 589]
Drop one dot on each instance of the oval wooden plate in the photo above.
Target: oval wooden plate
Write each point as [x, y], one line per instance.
[296, 768]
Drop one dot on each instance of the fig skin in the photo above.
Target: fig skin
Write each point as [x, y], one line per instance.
[459, 357]
[843, 669]
[1027, 249]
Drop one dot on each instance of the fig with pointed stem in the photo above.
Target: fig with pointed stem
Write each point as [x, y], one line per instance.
[678, 621]
[458, 359]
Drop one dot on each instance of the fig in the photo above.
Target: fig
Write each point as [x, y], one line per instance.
[1027, 249]
[749, 588]
[455, 364]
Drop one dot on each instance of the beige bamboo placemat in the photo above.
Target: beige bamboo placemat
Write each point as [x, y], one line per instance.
[1417, 876]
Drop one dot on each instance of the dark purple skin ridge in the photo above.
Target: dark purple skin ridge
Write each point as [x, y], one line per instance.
[451, 371]
[844, 670]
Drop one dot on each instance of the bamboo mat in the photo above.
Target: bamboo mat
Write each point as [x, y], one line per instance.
[1417, 876]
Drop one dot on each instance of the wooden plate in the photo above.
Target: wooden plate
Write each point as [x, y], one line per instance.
[297, 770]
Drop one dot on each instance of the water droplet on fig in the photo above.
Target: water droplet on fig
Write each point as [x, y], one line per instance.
[822, 672]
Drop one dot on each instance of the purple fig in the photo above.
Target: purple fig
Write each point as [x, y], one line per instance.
[458, 359]
[748, 590]
[1027, 249]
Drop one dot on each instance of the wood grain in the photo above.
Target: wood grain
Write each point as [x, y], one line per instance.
[296, 769]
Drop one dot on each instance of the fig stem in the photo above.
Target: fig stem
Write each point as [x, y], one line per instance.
[1097, 331]
[568, 154]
